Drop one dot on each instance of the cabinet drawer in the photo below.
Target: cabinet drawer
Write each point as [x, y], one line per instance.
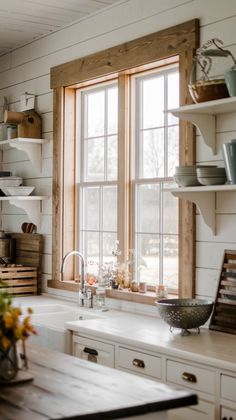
[228, 387]
[94, 351]
[227, 414]
[201, 411]
[141, 363]
[193, 377]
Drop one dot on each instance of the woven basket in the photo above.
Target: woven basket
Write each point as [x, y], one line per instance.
[208, 90]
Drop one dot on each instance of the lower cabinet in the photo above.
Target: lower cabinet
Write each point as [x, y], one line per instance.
[93, 350]
[216, 389]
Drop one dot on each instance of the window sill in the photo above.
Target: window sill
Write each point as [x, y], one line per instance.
[147, 298]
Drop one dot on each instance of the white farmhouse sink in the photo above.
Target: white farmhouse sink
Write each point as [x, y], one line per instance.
[49, 321]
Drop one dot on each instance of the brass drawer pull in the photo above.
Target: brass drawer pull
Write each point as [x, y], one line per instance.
[189, 377]
[138, 363]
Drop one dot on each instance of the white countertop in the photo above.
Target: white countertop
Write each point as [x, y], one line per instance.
[151, 334]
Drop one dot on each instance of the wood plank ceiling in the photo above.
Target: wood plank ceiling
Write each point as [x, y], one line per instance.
[22, 21]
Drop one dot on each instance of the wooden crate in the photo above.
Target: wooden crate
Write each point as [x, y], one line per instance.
[29, 251]
[19, 280]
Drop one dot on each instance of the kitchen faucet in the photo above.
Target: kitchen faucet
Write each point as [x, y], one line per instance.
[83, 297]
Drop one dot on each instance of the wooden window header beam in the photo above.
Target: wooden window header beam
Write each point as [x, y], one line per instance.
[150, 48]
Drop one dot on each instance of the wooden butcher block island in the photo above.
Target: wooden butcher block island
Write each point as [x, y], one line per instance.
[65, 387]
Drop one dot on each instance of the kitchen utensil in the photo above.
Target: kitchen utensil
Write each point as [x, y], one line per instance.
[28, 228]
[184, 313]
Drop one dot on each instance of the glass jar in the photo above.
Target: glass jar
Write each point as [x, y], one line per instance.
[161, 291]
[101, 294]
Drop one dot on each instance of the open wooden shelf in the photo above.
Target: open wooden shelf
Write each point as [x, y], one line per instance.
[31, 147]
[31, 204]
[203, 115]
[205, 199]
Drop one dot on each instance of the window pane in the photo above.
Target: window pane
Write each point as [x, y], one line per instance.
[91, 243]
[110, 208]
[170, 213]
[112, 109]
[112, 158]
[95, 159]
[173, 96]
[148, 208]
[109, 240]
[170, 261]
[95, 114]
[91, 209]
[173, 149]
[153, 102]
[153, 153]
[148, 258]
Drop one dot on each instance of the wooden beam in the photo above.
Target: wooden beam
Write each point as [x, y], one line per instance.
[145, 50]
[57, 186]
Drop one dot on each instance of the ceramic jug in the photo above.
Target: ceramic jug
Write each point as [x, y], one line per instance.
[229, 156]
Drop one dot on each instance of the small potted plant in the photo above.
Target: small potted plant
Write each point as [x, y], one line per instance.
[13, 328]
[207, 87]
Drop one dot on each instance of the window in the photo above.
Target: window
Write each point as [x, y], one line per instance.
[154, 155]
[156, 144]
[75, 87]
[97, 125]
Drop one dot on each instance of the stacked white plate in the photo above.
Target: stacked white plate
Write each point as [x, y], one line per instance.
[211, 175]
[10, 181]
[186, 176]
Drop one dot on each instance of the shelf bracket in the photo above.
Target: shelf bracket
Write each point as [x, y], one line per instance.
[32, 150]
[206, 203]
[32, 208]
[206, 124]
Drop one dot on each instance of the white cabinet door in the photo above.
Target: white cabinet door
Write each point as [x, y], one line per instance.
[93, 350]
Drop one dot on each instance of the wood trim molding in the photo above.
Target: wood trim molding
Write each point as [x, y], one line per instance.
[149, 48]
[179, 40]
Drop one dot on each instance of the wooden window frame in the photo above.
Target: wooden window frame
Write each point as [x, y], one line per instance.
[181, 40]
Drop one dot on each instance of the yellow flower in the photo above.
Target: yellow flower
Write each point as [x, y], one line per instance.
[7, 317]
[30, 311]
[6, 343]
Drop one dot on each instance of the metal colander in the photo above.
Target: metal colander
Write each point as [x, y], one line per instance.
[184, 313]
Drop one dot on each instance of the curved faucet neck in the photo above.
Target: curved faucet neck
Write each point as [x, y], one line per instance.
[75, 253]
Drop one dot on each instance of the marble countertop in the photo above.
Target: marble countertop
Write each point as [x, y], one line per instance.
[152, 334]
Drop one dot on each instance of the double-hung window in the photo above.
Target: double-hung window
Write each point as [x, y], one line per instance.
[155, 146]
[97, 123]
[154, 150]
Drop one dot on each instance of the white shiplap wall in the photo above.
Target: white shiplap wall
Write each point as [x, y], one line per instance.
[28, 69]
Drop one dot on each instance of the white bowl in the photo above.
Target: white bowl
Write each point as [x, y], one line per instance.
[10, 181]
[23, 190]
[186, 180]
[212, 180]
